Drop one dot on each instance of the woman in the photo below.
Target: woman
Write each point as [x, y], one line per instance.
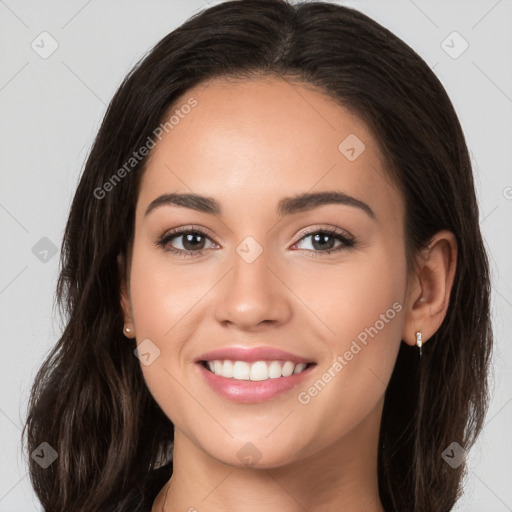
[276, 289]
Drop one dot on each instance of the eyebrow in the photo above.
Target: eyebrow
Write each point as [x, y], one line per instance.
[286, 206]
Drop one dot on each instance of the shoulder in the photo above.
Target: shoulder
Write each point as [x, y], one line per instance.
[156, 480]
[141, 499]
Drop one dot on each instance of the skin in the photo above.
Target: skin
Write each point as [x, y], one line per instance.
[248, 144]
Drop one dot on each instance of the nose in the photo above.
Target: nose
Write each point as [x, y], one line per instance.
[253, 293]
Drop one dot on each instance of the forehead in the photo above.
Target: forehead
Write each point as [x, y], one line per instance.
[252, 142]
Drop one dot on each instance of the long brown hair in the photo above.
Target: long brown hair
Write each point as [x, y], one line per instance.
[89, 400]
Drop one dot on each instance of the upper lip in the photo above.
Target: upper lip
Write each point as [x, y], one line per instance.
[251, 354]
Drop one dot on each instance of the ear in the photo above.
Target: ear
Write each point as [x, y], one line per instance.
[428, 293]
[124, 294]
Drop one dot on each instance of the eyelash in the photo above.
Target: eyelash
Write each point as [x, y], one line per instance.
[348, 242]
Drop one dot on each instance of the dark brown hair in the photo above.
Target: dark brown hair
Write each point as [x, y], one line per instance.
[89, 400]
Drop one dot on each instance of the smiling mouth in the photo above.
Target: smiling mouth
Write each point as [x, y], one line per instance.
[254, 371]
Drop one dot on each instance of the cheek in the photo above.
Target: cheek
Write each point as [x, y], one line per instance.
[168, 298]
[361, 304]
[163, 293]
[359, 298]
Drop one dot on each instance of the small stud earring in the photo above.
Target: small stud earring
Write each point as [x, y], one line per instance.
[128, 331]
[418, 341]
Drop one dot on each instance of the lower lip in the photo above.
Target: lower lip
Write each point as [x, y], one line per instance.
[250, 391]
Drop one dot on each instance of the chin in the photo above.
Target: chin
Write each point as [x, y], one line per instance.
[258, 452]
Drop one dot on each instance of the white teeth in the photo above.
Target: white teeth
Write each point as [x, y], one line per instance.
[256, 371]
[240, 370]
[287, 369]
[274, 370]
[299, 368]
[217, 366]
[259, 371]
[227, 369]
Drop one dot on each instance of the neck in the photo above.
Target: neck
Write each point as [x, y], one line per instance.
[340, 476]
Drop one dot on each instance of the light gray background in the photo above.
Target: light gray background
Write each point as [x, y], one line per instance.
[51, 109]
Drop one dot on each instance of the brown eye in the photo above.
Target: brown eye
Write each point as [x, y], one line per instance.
[192, 242]
[323, 241]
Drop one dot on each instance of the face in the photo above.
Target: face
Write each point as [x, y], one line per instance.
[323, 281]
